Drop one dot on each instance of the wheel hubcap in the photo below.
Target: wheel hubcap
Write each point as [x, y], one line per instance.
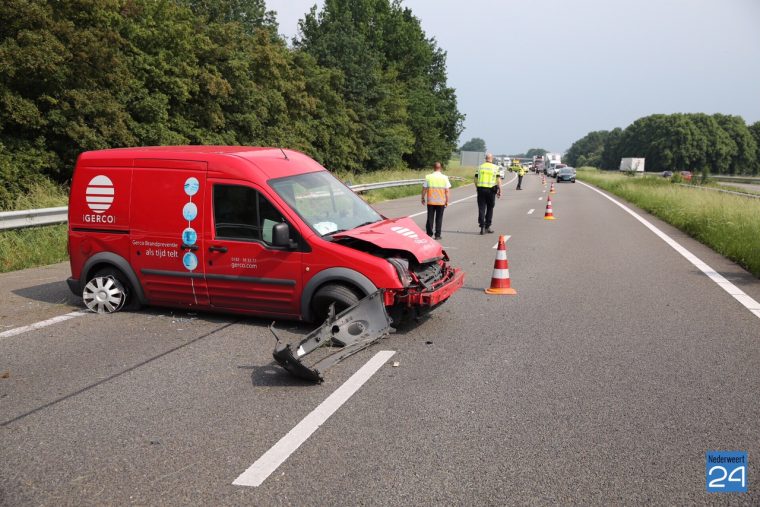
[104, 295]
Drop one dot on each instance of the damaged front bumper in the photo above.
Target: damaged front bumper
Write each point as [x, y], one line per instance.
[354, 329]
[428, 296]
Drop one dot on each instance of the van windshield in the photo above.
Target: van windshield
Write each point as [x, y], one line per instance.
[324, 203]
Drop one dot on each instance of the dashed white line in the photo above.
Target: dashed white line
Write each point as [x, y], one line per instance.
[41, 324]
[540, 198]
[530, 211]
[257, 473]
[748, 302]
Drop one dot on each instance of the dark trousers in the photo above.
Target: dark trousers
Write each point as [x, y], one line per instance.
[519, 181]
[486, 202]
[434, 215]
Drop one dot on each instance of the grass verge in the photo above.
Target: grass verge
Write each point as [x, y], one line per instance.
[35, 246]
[728, 224]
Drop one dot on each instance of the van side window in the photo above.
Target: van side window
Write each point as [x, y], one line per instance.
[242, 213]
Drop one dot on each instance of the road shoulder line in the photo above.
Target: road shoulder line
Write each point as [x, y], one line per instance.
[41, 324]
[742, 297]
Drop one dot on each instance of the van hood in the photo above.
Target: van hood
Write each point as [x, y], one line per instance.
[397, 234]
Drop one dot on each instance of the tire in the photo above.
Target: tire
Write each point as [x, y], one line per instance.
[341, 295]
[108, 291]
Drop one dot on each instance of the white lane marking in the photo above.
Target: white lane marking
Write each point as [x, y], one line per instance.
[530, 211]
[506, 238]
[748, 302]
[460, 200]
[257, 473]
[41, 324]
[540, 198]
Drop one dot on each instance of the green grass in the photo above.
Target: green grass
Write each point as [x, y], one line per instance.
[42, 195]
[35, 246]
[728, 224]
[31, 247]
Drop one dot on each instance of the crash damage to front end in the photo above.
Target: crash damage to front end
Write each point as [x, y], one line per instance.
[426, 286]
[423, 267]
[427, 279]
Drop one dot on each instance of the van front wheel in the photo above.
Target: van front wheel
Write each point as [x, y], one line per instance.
[342, 296]
[106, 292]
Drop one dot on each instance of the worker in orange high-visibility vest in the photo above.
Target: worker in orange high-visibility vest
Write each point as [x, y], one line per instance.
[436, 191]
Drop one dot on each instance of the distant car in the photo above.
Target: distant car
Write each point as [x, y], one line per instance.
[501, 172]
[566, 174]
[667, 174]
[555, 170]
[686, 175]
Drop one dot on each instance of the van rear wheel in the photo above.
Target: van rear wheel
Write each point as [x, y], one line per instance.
[342, 296]
[106, 292]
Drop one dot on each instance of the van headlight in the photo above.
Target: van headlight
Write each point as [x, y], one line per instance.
[402, 269]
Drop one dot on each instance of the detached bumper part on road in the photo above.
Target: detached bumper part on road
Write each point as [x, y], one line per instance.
[354, 329]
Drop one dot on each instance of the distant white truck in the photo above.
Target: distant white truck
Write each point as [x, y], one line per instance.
[551, 161]
[632, 164]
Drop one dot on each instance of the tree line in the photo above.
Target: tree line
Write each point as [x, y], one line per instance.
[478, 144]
[708, 144]
[361, 88]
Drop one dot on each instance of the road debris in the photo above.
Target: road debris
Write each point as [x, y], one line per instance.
[354, 329]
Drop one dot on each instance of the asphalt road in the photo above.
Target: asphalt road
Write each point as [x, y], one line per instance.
[603, 381]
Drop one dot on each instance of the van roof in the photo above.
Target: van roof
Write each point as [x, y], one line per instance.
[270, 160]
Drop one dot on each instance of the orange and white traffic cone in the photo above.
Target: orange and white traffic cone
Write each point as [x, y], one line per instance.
[548, 215]
[500, 283]
[551, 190]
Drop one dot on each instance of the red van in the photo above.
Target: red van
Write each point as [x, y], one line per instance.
[260, 231]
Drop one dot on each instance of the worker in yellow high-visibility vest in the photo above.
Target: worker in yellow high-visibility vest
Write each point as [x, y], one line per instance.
[435, 193]
[488, 187]
[520, 170]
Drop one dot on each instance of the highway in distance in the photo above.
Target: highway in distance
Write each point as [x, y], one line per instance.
[604, 381]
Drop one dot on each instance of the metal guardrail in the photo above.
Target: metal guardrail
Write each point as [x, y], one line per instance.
[742, 194]
[384, 184]
[33, 217]
[49, 216]
[738, 179]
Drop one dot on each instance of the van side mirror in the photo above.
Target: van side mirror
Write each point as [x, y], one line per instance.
[281, 235]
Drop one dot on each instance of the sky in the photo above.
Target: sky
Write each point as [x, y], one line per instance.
[544, 73]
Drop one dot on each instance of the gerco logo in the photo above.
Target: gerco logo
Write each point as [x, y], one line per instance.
[99, 195]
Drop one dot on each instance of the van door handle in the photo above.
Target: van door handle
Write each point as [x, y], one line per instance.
[222, 249]
[189, 247]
